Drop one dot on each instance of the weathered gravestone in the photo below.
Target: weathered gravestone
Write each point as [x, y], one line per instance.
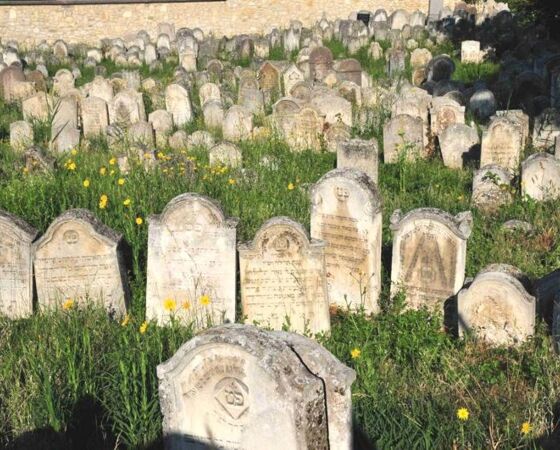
[458, 142]
[250, 95]
[440, 68]
[501, 144]
[178, 103]
[209, 92]
[65, 134]
[239, 387]
[80, 259]
[95, 116]
[403, 137]
[546, 129]
[237, 124]
[126, 108]
[346, 214]
[226, 154]
[292, 75]
[16, 266]
[102, 88]
[429, 256]
[191, 263]
[496, 306]
[38, 107]
[21, 135]
[491, 188]
[283, 278]
[358, 154]
[320, 62]
[349, 70]
[162, 123]
[444, 113]
[10, 77]
[540, 177]
[471, 53]
[518, 117]
[306, 131]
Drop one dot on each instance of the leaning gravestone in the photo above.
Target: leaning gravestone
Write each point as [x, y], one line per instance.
[283, 278]
[501, 144]
[81, 259]
[16, 267]
[429, 255]
[346, 214]
[540, 177]
[191, 254]
[358, 154]
[239, 387]
[496, 306]
[403, 137]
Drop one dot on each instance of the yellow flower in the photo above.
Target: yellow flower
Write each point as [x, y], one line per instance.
[139, 220]
[143, 327]
[86, 183]
[103, 200]
[102, 170]
[25, 170]
[463, 414]
[125, 321]
[120, 181]
[68, 304]
[291, 186]
[526, 428]
[232, 181]
[169, 304]
[127, 202]
[355, 353]
[160, 155]
[74, 152]
[186, 304]
[204, 300]
[113, 161]
[72, 166]
[112, 172]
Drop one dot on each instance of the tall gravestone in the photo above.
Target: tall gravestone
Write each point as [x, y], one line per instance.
[283, 278]
[178, 103]
[358, 154]
[429, 255]
[191, 254]
[81, 259]
[16, 266]
[346, 214]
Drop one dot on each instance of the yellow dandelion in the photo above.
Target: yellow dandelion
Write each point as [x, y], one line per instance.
[68, 304]
[160, 155]
[169, 304]
[120, 182]
[127, 202]
[291, 186]
[463, 414]
[186, 304]
[139, 220]
[86, 183]
[204, 300]
[232, 181]
[112, 172]
[125, 321]
[74, 152]
[72, 166]
[103, 200]
[526, 428]
[355, 353]
[112, 161]
[25, 170]
[102, 170]
[143, 327]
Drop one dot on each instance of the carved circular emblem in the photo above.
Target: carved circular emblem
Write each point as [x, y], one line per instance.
[281, 244]
[231, 394]
[71, 237]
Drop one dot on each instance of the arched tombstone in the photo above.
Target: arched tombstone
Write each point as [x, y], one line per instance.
[444, 113]
[540, 177]
[178, 103]
[191, 254]
[236, 386]
[496, 306]
[126, 108]
[81, 259]
[501, 144]
[320, 62]
[226, 154]
[403, 137]
[283, 278]
[346, 214]
[440, 68]
[16, 267]
[429, 255]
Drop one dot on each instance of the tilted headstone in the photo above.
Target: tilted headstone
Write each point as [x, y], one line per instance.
[191, 259]
[458, 142]
[248, 387]
[80, 259]
[403, 137]
[283, 278]
[334, 108]
[349, 70]
[102, 88]
[178, 103]
[501, 144]
[540, 177]
[429, 256]
[346, 214]
[496, 306]
[209, 92]
[16, 266]
[358, 154]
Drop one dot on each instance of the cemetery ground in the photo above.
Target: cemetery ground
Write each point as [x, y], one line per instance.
[76, 378]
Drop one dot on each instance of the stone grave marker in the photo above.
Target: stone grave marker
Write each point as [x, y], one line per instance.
[445, 112]
[547, 127]
[226, 154]
[65, 134]
[471, 53]
[21, 135]
[358, 154]
[95, 116]
[349, 70]
[306, 131]
[178, 103]
[209, 92]
[126, 108]
[540, 177]
[501, 144]
[457, 142]
[491, 188]
[238, 124]
[37, 107]
[291, 76]
[320, 62]
[403, 136]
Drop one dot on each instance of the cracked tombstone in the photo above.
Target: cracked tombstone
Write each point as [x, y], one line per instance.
[429, 256]
[283, 278]
[346, 214]
[191, 263]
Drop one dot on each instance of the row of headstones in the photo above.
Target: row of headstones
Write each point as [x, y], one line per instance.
[286, 276]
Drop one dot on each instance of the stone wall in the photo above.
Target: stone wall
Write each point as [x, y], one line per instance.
[90, 23]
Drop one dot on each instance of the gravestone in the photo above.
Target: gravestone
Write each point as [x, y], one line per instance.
[191, 254]
[540, 177]
[10, 77]
[346, 214]
[16, 267]
[284, 115]
[334, 108]
[320, 62]
[268, 77]
[21, 135]
[238, 124]
[518, 117]
[141, 135]
[429, 256]
[483, 104]
[292, 75]
[470, 52]
[403, 137]
[37, 107]
[209, 92]
[496, 306]
[420, 57]
[283, 278]
[162, 123]
[178, 103]
[501, 144]
[225, 154]
[81, 259]
[445, 112]
[126, 108]
[63, 82]
[248, 387]
[95, 116]
[440, 68]
[102, 88]
[547, 127]
[349, 70]
[358, 154]
[491, 188]
[213, 113]
[65, 134]
[458, 142]
[306, 130]
[250, 95]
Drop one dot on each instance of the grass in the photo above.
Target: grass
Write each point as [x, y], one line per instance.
[76, 378]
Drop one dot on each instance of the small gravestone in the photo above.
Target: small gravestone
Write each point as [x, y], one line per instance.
[250, 95]
[440, 68]
[268, 77]
[248, 387]
[126, 108]
[63, 82]
[334, 108]
[225, 154]
[358, 154]
[492, 188]
[471, 53]
[238, 124]
[162, 123]
[16, 269]
[213, 114]
[95, 116]
[540, 177]
[80, 259]
[396, 62]
[102, 88]
[403, 138]
[292, 75]
[496, 306]
[283, 278]
[37, 107]
[191, 263]
[10, 77]
[141, 135]
[458, 142]
[445, 112]
[21, 135]
[178, 103]
[65, 134]
[420, 57]
[518, 117]
[349, 70]
[209, 92]
[546, 129]
[306, 131]
[501, 144]
[346, 214]
[483, 104]
[429, 256]
[320, 62]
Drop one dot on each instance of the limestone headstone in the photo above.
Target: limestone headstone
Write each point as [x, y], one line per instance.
[501, 144]
[21, 135]
[358, 154]
[226, 154]
[491, 188]
[126, 108]
[178, 103]
[445, 112]
[458, 142]
[292, 75]
[470, 52]
[95, 116]
[320, 62]
[540, 177]
[403, 137]
[547, 127]
[238, 124]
